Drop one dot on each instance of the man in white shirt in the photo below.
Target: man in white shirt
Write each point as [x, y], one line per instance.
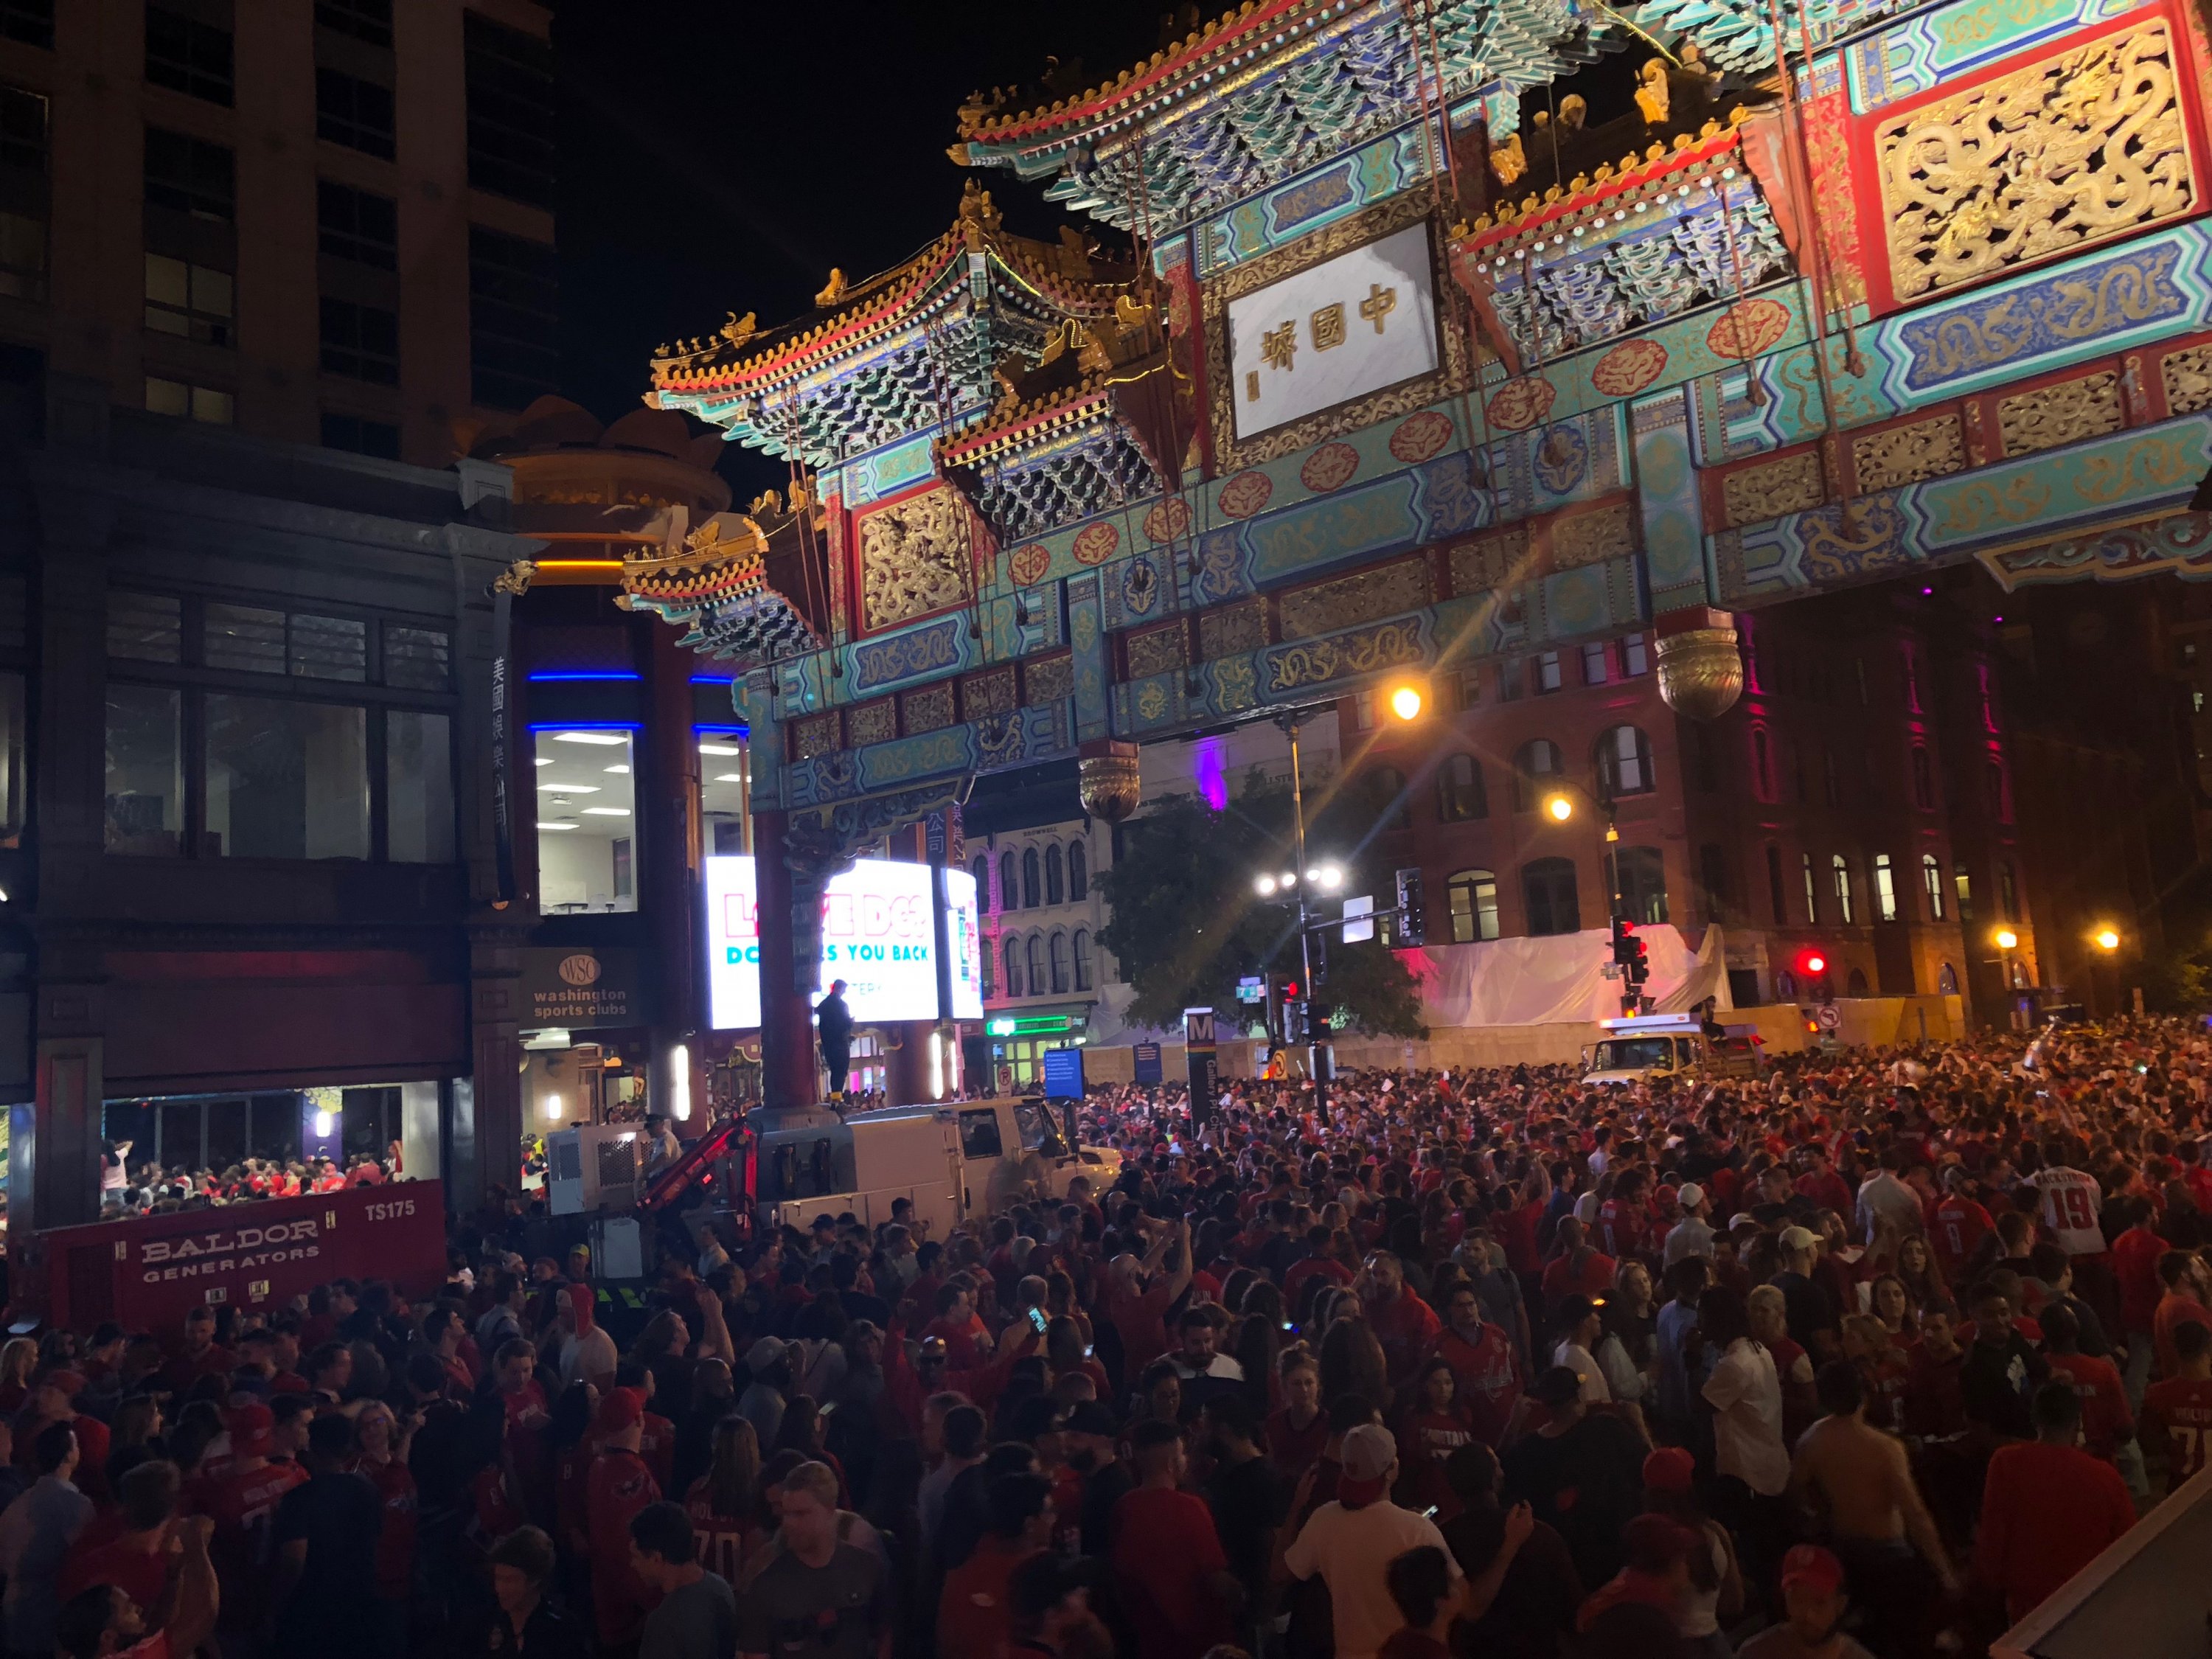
[1884, 1195]
[1352, 1542]
[1693, 1234]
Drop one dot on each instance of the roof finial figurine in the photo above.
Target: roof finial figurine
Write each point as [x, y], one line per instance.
[738, 328]
[1651, 97]
[836, 291]
[1509, 160]
[1574, 109]
[976, 208]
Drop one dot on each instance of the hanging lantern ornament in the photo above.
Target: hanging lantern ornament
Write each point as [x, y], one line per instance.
[1108, 780]
[1700, 670]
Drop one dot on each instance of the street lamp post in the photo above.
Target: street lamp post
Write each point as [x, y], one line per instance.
[1559, 807]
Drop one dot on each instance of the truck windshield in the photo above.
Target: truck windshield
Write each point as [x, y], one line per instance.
[1631, 1054]
[1037, 1125]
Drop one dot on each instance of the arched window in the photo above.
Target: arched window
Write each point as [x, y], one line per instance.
[1885, 888]
[1078, 873]
[1056, 875]
[1946, 981]
[1762, 763]
[1082, 958]
[989, 965]
[1386, 798]
[1014, 964]
[1547, 886]
[1010, 896]
[1643, 875]
[982, 873]
[1856, 985]
[1472, 897]
[1774, 885]
[1460, 795]
[1923, 781]
[1536, 769]
[1624, 762]
[1030, 894]
[1037, 980]
[1812, 894]
[1841, 872]
[1786, 986]
[1931, 880]
[2000, 793]
[1060, 976]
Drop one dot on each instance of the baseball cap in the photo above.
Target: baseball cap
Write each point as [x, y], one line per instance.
[1586, 1208]
[764, 1354]
[1798, 1238]
[252, 1431]
[1816, 1569]
[1670, 1468]
[620, 1410]
[1368, 1452]
[1090, 1418]
[1690, 1195]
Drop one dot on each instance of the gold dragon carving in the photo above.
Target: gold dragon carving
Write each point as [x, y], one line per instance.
[1794, 483]
[1900, 455]
[2080, 148]
[2062, 414]
[2188, 377]
[913, 559]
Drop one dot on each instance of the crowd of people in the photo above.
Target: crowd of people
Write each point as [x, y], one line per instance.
[1866, 1353]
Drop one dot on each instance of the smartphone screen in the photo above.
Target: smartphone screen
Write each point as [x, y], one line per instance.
[1037, 1319]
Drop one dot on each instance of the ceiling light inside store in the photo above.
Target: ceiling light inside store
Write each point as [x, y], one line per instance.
[604, 739]
[606, 811]
[619, 771]
[729, 777]
[568, 788]
[720, 749]
[555, 823]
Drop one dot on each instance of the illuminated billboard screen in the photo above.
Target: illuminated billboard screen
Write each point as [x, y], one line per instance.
[875, 937]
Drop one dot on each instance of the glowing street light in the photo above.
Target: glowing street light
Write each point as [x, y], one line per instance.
[1559, 808]
[1288, 878]
[1405, 702]
[2107, 938]
[2006, 938]
[1266, 886]
[1328, 876]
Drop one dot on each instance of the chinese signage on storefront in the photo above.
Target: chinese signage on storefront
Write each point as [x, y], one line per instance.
[1350, 325]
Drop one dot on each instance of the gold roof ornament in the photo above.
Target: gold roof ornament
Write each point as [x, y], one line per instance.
[1509, 160]
[738, 328]
[1651, 98]
[836, 291]
[1574, 110]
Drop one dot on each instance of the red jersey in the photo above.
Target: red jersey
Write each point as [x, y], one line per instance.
[1960, 1225]
[1487, 1377]
[1293, 1451]
[2178, 1412]
[140, 1574]
[1621, 1227]
[1405, 1326]
[2105, 1418]
[656, 1446]
[395, 1541]
[2047, 1511]
[243, 1506]
[2174, 1311]
[2135, 1264]
[621, 1486]
[1935, 1407]
[1596, 1278]
[725, 1541]
[1314, 1266]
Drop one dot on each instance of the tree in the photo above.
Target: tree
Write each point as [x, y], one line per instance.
[1188, 925]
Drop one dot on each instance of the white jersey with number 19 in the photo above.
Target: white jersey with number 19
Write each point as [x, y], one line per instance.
[2072, 1202]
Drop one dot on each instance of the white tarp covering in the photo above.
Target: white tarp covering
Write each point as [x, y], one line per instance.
[1536, 981]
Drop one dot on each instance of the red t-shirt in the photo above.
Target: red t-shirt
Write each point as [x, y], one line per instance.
[1560, 1280]
[140, 1574]
[2105, 1418]
[1621, 1227]
[395, 1541]
[1164, 1546]
[975, 1613]
[243, 1506]
[1516, 1230]
[621, 1486]
[725, 1541]
[1314, 1266]
[1405, 1326]
[2174, 1311]
[1488, 1377]
[1141, 1320]
[1291, 1449]
[2135, 1264]
[1960, 1225]
[2179, 1411]
[2047, 1511]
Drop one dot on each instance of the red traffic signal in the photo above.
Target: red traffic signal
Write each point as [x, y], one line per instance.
[1290, 988]
[1812, 962]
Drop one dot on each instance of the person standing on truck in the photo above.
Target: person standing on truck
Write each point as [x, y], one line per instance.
[834, 1021]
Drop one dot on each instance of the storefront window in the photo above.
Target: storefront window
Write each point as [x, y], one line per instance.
[586, 823]
[286, 780]
[419, 788]
[725, 793]
[145, 769]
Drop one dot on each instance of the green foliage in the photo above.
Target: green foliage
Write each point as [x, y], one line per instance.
[1188, 925]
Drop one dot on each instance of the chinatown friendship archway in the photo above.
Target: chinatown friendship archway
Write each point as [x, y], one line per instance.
[1414, 365]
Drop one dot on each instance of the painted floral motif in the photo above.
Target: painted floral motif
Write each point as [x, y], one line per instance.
[1246, 494]
[1519, 404]
[1420, 436]
[1328, 467]
[1170, 520]
[1140, 587]
[1030, 562]
[1744, 331]
[1562, 456]
[1095, 543]
[1629, 367]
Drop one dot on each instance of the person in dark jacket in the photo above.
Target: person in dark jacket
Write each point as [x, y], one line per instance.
[834, 1021]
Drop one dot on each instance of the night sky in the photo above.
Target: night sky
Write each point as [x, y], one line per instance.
[720, 158]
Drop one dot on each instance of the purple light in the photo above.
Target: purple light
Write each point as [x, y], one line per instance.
[1209, 773]
[1996, 619]
[1925, 592]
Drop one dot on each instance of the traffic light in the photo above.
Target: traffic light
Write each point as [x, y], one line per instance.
[1811, 962]
[1412, 912]
[1630, 953]
[1295, 1028]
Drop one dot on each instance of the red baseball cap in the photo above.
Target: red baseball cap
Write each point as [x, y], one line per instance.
[1670, 1468]
[623, 1408]
[1816, 1569]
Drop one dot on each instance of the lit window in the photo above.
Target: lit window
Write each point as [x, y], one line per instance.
[188, 403]
[725, 798]
[1624, 762]
[1842, 873]
[190, 301]
[1595, 671]
[1931, 881]
[1632, 659]
[1548, 677]
[586, 822]
[1472, 898]
[1885, 888]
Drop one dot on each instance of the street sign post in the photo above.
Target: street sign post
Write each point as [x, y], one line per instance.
[1359, 919]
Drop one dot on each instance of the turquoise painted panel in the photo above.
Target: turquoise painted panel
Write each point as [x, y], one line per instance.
[1952, 40]
[1317, 197]
[1668, 498]
[2120, 478]
[1086, 635]
[930, 649]
[888, 471]
[1328, 531]
[887, 765]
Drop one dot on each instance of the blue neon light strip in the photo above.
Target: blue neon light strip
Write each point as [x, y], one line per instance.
[588, 726]
[713, 679]
[581, 674]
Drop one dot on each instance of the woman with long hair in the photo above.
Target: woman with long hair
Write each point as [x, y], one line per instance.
[17, 1361]
[1433, 1427]
[380, 1458]
[1715, 1593]
[1351, 1362]
[1259, 1343]
[724, 1504]
[1920, 1274]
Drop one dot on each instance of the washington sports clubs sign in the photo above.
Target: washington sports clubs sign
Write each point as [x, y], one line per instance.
[147, 1274]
